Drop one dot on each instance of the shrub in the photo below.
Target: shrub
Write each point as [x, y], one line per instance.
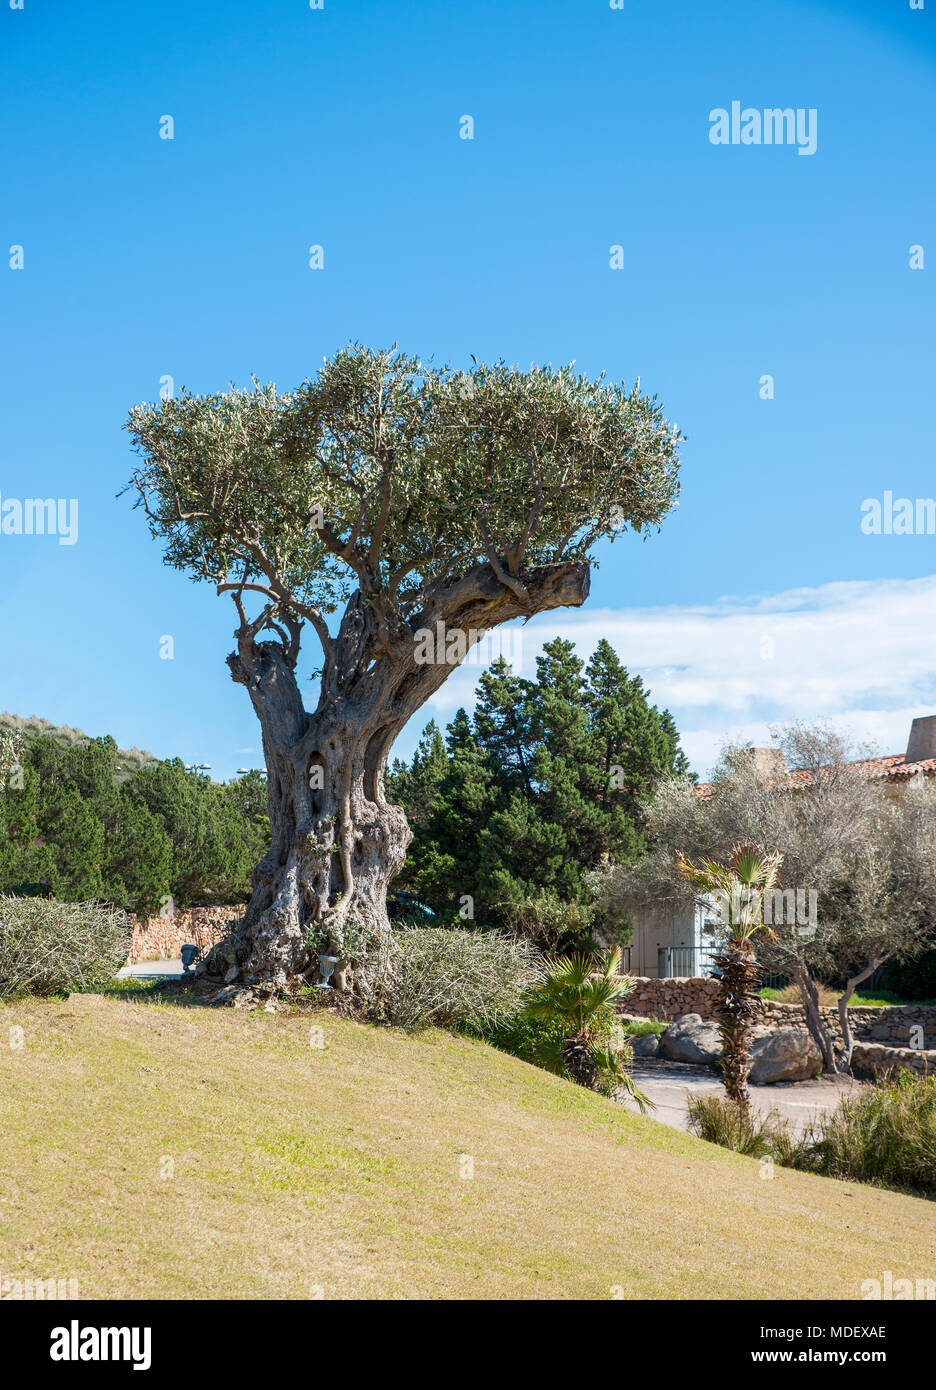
[549, 922]
[791, 994]
[438, 975]
[531, 1039]
[721, 1121]
[47, 946]
[540, 1041]
[586, 1043]
[640, 1027]
[829, 998]
[886, 1135]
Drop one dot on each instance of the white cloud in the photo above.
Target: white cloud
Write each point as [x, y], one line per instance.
[861, 654]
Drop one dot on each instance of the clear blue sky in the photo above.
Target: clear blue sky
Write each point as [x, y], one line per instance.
[146, 257]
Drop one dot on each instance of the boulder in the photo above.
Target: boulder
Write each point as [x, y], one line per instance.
[788, 1054]
[645, 1044]
[782, 1054]
[692, 1039]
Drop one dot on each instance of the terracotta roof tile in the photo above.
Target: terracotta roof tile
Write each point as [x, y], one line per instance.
[893, 766]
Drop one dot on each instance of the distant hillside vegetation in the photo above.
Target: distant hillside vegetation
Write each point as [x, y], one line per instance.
[129, 760]
[85, 819]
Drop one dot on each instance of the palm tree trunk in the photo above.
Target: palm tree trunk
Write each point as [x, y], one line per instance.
[579, 1062]
[735, 1011]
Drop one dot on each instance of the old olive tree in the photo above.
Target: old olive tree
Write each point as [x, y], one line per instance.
[399, 511]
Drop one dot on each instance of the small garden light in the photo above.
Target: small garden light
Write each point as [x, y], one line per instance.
[189, 954]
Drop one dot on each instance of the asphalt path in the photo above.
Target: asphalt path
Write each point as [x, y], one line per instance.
[670, 1084]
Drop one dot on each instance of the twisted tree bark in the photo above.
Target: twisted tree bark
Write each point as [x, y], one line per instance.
[848, 1041]
[336, 843]
[814, 1021]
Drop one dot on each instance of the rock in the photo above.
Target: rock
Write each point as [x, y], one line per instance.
[231, 975]
[692, 1039]
[645, 1044]
[223, 996]
[788, 1054]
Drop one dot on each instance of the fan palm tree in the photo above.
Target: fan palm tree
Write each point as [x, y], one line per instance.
[740, 888]
[577, 996]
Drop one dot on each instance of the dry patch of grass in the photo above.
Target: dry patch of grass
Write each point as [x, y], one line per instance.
[790, 994]
[158, 1150]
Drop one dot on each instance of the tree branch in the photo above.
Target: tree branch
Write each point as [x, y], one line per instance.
[516, 551]
[508, 580]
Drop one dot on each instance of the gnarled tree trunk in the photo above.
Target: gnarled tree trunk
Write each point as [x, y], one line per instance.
[814, 1021]
[848, 1041]
[336, 843]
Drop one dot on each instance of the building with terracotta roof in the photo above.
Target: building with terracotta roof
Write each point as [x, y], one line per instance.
[668, 944]
[895, 770]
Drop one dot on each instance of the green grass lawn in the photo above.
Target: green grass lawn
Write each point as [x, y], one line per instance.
[154, 1149]
[858, 1001]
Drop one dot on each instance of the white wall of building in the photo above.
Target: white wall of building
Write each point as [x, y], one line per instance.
[680, 934]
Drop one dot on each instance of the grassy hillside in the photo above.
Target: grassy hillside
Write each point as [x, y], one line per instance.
[336, 1171]
[130, 759]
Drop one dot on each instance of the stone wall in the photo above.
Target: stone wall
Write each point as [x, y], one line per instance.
[162, 938]
[671, 999]
[872, 1059]
[892, 1026]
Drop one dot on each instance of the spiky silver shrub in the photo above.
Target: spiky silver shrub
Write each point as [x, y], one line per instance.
[437, 975]
[48, 946]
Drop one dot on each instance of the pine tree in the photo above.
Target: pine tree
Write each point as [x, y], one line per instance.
[502, 724]
[542, 785]
[72, 824]
[421, 780]
[451, 853]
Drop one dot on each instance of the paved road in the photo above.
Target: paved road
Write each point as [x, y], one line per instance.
[152, 970]
[670, 1084]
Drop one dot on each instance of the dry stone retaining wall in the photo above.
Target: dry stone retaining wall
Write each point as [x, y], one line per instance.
[887, 1025]
[671, 999]
[162, 938]
[872, 1059]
